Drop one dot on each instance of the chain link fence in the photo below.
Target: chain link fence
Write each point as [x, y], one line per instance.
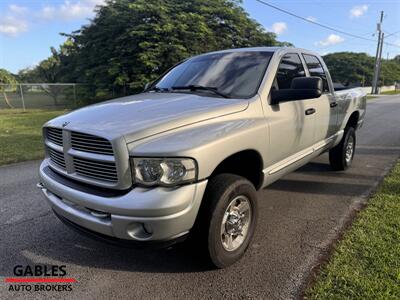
[55, 95]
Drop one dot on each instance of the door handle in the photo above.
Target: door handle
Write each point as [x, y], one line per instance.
[310, 111]
[333, 104]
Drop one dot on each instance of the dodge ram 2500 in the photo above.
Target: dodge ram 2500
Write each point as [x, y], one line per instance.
[186, 156]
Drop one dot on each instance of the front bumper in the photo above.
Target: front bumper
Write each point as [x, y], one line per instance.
[141, 214]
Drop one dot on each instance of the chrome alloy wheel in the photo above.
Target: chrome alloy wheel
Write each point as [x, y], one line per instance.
[235, 223]
[349, 149]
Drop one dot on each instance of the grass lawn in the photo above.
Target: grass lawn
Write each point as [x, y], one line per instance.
[371, 97]
[391, 92]
[21, 134]
[366, 262]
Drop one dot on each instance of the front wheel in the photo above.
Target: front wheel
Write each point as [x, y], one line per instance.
[341, 156]
[230, 217]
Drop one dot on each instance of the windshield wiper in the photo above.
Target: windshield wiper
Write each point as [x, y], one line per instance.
[157, 89]
[193, 87]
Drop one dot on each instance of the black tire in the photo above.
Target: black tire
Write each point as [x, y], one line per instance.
[220, 192]
[337, 155]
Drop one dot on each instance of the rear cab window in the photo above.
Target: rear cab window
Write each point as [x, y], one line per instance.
[315, 68]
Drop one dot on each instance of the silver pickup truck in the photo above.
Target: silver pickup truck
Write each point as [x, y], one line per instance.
[189, 153]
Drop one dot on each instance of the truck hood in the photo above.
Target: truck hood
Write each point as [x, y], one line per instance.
[139, 116]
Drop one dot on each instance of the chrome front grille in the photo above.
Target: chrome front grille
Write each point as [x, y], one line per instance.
[106, 171]
[82, 156]
[90, 143]
[54, 135]
[57, 158]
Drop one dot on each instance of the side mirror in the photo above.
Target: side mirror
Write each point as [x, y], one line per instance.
[301, 88]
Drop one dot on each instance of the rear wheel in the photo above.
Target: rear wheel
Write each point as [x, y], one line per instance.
[228, 218]
[341, 156]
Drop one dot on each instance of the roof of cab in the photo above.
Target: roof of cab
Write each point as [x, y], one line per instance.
[264, 49]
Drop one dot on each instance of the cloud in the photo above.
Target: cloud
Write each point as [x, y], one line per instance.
[16, 9]
[332, 39]
[279, 28]
[13, 22]
[312, 19]
[12, 26]
[17, 19]
[358, 10]
[48, 12]
[70, 10]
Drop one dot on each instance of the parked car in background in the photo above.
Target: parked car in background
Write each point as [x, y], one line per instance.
[186, 156]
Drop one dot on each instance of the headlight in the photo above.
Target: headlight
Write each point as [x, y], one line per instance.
[163, 171]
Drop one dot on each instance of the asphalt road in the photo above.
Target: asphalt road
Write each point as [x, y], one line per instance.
[300, 216]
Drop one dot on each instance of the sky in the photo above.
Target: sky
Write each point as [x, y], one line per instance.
[28, 28]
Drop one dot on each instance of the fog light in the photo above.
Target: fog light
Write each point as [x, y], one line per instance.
[138, 231]
[147, 228]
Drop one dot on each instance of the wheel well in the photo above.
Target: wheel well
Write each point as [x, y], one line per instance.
[247, 163]
[353, 120]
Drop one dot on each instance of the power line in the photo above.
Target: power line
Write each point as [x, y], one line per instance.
[393, 33]
[313, 22]
[391, 44]
[319, 24]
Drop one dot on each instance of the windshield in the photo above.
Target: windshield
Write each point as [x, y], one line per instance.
[234, 74]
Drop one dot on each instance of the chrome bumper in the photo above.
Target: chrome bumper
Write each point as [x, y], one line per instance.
[139, 215]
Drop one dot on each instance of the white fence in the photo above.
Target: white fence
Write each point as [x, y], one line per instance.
[385, 88]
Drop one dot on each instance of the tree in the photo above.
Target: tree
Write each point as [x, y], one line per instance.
[350, 68]
[9, 79]
[47, 71]
[131, 42]
[390, 72]
[358, 69]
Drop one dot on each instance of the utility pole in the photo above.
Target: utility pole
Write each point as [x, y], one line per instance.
[377, 57]
[379, 63]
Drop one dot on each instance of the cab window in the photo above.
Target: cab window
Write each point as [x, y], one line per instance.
[315, 68]
[289, 68]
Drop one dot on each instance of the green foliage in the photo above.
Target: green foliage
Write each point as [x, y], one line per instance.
[358, 68]
[48, 70]
[131, 42]
[7, 78]
[390, 72]
[365, 264]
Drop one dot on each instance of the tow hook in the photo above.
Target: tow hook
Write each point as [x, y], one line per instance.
[40, 185]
